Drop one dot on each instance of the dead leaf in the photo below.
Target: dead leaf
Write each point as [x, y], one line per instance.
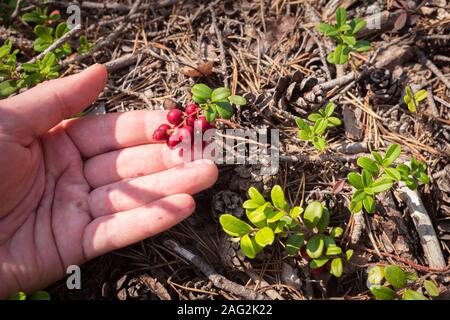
[278, 30]
[338, 186]
[199, 71]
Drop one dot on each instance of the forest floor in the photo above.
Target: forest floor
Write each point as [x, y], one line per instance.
[270, 52]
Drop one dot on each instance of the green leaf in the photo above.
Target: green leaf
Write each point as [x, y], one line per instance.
[324, 221]
[383, 293]
[210, 113]
[225, 109]
[334, 122]
[392, 154]
[17, 296]
[319, 262]
[313, 214]
[258, 215]
[341, 17]
[392, 173]
[341, 54]
[350, 40]
[220, 94]
[413, 295]
[431, 288]
[7, 88]
[320, 126]
[378, 158]
[234, 226]
[366, 177]
[44, 33]
[273, 215]
[256, 196]
[356, 206]
[315, 246]
[264, 237]
[325, 28]
[333, 250]
[39, 295]
[369, 204]
[247, 247]
[202, 91]
[198, 100]
[422, 177]
[277, 196]
[302, 125]
[357, 25]
[238, 100]
[336, 232]
[5, 49]
[411, 106]
[359, 195]
[61, 30]
[296, 211]
[329, 109]
[376, 275]
[381, 185]
[294, 243]
[319, 143]
[395, 276]
[420, 95]
[250, 204]
[314, 117]
[362, 46]
[348, 254]
[355, 180]
[336, 267]
[368, 164]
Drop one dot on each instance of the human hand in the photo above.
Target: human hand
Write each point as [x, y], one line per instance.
[71, 190]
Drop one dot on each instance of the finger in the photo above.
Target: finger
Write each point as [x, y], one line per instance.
[95, 135]
[119, 230]
[130, 163]
[43, 107]
[125, 195]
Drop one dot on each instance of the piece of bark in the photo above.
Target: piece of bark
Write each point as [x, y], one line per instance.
[424, 226]
[359, 226]
[352, 123]
[393, 56]
[353, 147]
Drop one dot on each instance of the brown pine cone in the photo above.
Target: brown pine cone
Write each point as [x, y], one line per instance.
[385, 88]
[230, 252]
[227, 201]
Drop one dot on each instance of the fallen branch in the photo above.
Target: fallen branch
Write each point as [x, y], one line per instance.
[424, 226]
[218, 280]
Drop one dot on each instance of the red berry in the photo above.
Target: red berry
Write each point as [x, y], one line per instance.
[190, 109]
[164, 127]
[160, 135]
[317, 271]
[190, 121]
[304, 254]
[175, 117]
[173, 141]
[201, 123]
[185, 132]
[54, 12]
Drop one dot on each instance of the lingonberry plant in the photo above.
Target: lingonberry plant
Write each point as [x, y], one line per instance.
[378, 175]
[322, 121]
[209, 105]
[46, 36]
[412, 99]
[304, 231]
[393, 283]
[41, 16]
[344, 34]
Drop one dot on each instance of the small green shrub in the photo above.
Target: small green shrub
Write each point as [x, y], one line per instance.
[412, 99]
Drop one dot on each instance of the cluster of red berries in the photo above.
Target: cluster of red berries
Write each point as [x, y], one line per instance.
[182, 125]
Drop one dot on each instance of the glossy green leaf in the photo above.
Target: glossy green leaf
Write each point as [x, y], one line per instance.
[324, 221]
[341, 54]
[220, 94]
[238, 100]
[413, 295]
[368, 164]
[362, 46]
[315, 246]
[224, 109]
[381, 185]
[17, 296]
[247, 247]
[296, 211]
[369, 204]
[44, 33]
[333, 250]
[277, 196]
[319, 143]
[357, 25]
[319, 262]
[264, 237]
[341, 16]
[313, 214]
[392, 154]
[61, 30]
[336, 232]
[376, 275]
[336, 267]
[314, 117]
[348, 254]
[378, 158]
[334, 122]
[420, 95]
[392, 173]
[350, 40]
[211, 113]
[356, 206]
[320, 126]
[234, 226]
[7, 88]
[325, 28]
[258, 215]
[355, 180]
[395, 276]
[294, 243]
[250, 204]
[274, 215]
[329, 109]
[256, 196]
[367, 178]
[431, 288]
[383, 293]
[202, 91]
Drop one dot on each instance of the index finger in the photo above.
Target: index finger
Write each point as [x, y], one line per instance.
[94, 135]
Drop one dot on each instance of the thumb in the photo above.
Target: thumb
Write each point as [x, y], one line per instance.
[43, 107]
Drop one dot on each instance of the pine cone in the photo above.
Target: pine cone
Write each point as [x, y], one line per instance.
[227, 201]
[250, 176]
[295, 93]
[384, 87]
[199, 284]
[251, 115]
[230, 253]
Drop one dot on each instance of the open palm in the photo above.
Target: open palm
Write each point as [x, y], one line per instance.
[75, 189]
